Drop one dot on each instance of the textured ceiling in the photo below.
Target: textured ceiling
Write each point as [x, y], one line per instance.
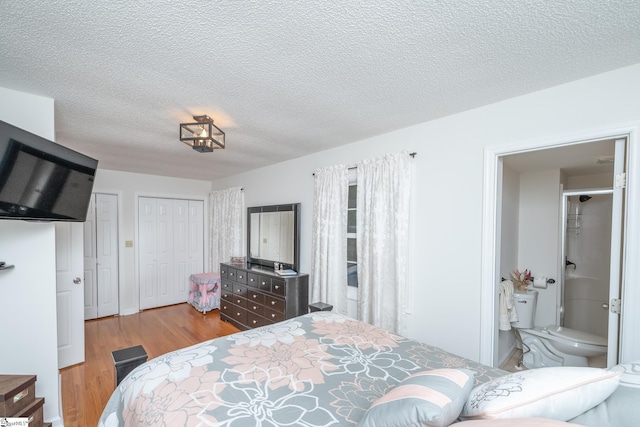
[284, 79]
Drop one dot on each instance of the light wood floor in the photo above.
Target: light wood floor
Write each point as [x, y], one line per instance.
[86, 387]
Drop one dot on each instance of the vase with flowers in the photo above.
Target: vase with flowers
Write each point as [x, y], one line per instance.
[521, 279]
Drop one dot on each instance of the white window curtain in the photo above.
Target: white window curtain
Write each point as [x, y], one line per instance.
[329, 237]
[225, 225]
[383, 236]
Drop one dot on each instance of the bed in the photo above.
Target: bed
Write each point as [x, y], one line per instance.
[319, 369]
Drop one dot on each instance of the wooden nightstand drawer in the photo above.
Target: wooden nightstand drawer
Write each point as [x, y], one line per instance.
[16, 393]
[33, 412]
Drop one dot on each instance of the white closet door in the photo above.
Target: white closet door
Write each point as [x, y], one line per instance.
[90, 260]
[196, 237]
[147, 252]
[164, 252]
[171, 248]
[107, 253]
[181, 249]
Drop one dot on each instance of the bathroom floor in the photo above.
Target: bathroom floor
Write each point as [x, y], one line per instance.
[511, 365]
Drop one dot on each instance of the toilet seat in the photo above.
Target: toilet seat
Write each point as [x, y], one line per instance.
[577, 336]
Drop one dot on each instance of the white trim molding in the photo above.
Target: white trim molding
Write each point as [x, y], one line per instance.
[630, 320]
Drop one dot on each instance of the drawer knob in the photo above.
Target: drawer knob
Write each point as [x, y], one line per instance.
[241, 276]
[254, 322]
[264, 283]
[273, 303]
[273, 315]
[252, 280]
[255, 296]
[277, 287]
[238, 301]
[238, 314]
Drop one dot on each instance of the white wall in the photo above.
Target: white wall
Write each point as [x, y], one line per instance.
[509, 221]
[449, 174]
[28, 292]
[128, 187]
[539, 236]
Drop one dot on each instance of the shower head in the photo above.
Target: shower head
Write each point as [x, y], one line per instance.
[584, 198]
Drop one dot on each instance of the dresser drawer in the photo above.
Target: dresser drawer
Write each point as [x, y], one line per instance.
[252, 280]
[226, 306]
[239, 301]
[277, 286]
[264, 283]
[255, 297]
[253, 307]
[226, 286]
[241, 276]
[237, 313]
[17, 392]
[224, 272]
[273, 315]
[232, 273]
[239, 290]
[255, 321]
[273, 303]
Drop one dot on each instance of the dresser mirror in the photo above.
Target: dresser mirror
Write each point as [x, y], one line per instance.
[273, 236]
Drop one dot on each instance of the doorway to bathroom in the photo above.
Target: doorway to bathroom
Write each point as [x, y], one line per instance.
[540, 213]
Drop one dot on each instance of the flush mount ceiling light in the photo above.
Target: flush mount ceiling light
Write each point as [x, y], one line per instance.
[203, 136]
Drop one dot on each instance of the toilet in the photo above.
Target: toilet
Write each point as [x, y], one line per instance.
[552, 345]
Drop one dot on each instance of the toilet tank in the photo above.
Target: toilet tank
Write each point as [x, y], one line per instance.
[525, 305]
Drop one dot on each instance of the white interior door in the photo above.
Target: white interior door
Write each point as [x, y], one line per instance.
[181, 249]
[615, 283]
[196, 237]
[90, 261]
[164, 252]
[147, 252]
[107, 253]
[69, 293]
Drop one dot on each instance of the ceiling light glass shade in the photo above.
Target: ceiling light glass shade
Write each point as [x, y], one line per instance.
[203, 136]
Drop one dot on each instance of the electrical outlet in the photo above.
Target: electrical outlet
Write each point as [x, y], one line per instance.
[128, 243]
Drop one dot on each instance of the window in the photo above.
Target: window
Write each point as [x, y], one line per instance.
[352, 250]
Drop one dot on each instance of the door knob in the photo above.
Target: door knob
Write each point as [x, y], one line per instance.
[77, 280]
[605, 306]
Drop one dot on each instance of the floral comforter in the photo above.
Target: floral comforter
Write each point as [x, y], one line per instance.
[320, 369]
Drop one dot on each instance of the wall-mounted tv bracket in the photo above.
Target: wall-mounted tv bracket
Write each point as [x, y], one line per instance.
[5, 266]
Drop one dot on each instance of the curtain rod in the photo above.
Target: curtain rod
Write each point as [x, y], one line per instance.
[412, 155]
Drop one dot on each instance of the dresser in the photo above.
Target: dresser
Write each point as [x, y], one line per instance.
[258, 297]
[18, 399]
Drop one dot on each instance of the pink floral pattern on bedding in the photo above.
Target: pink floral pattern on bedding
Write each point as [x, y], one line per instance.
[320, 369]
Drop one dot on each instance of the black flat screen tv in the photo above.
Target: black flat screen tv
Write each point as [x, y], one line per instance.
[41, 180]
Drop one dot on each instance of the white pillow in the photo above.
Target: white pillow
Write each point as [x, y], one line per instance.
[511, 422]
[559, 393]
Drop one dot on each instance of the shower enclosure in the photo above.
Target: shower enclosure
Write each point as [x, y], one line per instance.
[587, 260]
